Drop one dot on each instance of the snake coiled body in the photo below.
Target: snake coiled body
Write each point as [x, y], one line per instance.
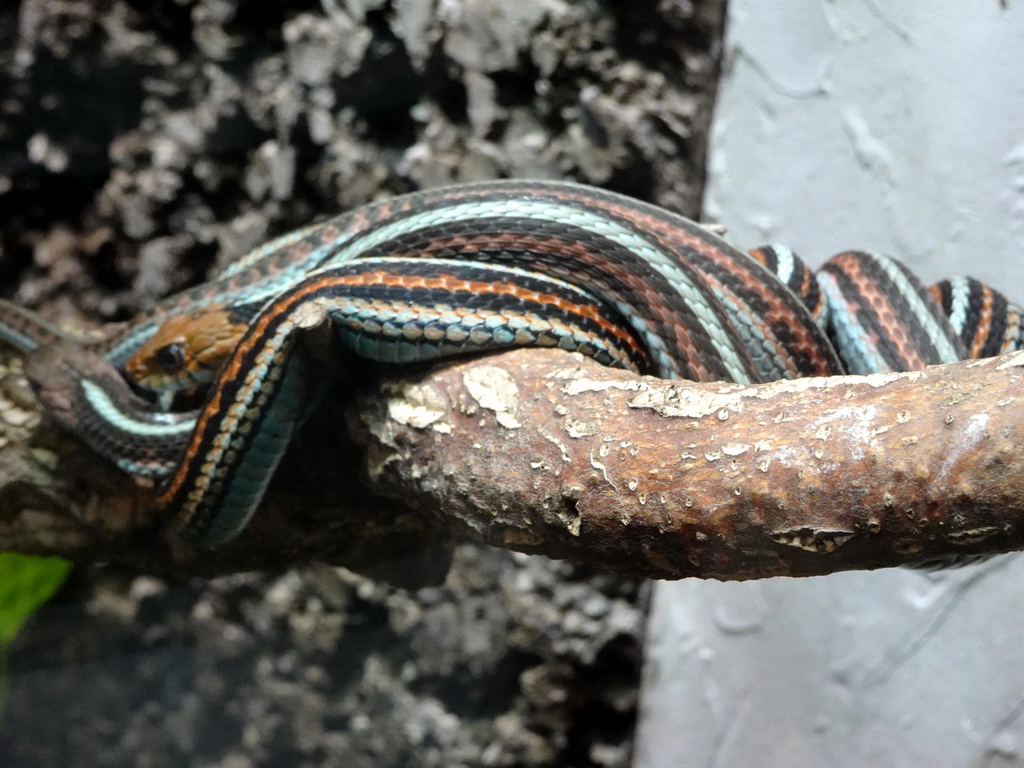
[470, 269]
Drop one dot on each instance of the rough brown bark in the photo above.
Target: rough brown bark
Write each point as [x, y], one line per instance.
[661, 479]
[545, 453]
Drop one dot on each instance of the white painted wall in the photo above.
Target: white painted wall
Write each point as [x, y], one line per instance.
[889, 126]
[896, 127]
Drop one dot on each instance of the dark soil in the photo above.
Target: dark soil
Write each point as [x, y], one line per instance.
[144, 144]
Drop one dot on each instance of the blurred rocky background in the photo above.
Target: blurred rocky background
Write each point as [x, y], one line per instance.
[145, 144]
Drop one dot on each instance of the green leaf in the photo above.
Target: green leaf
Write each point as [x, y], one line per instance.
[26, 582]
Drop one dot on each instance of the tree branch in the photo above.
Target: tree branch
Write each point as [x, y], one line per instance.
[537, 452]
[541, 452]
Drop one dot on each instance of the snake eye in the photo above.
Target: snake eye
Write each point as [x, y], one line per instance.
[171, 358]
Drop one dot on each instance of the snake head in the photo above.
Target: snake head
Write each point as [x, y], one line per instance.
[186, 352]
